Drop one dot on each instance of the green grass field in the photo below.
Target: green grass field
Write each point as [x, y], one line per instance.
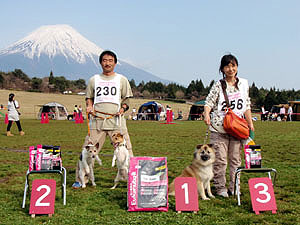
[99, 205]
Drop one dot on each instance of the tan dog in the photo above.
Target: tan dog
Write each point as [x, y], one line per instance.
[201, 168]
[121, 157]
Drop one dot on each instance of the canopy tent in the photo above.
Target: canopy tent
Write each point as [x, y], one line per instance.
[55, 110]
[151, 111]
[296, 109]
[196, 111]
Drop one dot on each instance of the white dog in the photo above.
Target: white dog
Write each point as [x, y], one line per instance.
[121, 157]
[85, 165]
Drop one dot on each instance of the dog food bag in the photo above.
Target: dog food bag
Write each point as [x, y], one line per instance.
[148, 184]
[38, 160]
[255, 156]
[247, 152]
[32, 153]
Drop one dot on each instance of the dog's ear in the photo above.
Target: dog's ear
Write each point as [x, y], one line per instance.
[198, 146]
[210, 145]
[97, 145]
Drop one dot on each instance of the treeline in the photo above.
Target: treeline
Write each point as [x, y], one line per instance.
[195, 91]
[18, 80]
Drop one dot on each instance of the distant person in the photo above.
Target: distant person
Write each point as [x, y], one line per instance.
[13, 115]
[282, 113]
[227, 148]
[264, 114]
[133, 114]
[290, 112]
[1, 107]
[80, 110]
[158, 113]
[76, 109]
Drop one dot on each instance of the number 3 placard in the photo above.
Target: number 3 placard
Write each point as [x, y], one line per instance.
[42, 197]
[186, 194]
[262, 194]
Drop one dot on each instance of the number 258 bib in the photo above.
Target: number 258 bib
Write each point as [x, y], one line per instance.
[107, 90]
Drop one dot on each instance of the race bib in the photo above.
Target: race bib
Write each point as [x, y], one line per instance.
[107, 90]
[237, 102]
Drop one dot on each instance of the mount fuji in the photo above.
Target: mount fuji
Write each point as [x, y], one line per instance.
[61, 49]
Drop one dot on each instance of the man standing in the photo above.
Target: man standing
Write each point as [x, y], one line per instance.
[290, 112]
[107, 98]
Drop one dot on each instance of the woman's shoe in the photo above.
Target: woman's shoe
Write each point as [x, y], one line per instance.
[8, 134]
[22, 133]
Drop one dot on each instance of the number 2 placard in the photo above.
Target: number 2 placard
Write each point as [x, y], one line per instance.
[186, 194]
[42, 196]
[262, 194]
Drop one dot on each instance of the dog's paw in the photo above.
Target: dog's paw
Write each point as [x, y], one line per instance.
[83, 186]
[113, 187]
[94, 184]
[206, 198]
[212, 196]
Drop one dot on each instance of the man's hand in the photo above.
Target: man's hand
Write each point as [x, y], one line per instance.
[89, 105]
[89, 109]
[121, 111]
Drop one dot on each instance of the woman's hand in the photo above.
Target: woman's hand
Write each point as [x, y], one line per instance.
[206, 115]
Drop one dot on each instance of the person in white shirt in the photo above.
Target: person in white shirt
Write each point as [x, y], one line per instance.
[107, 99]
[227, 147]
[13, 115]
[290, 112]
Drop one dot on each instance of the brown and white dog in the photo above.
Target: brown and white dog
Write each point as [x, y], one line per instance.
[201, 168]
[85, 164]
[121, 158]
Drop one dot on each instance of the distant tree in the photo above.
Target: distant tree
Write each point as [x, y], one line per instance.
[51, 78]
[1, 78]
[20, 74]
[80, 84]
[132, 83]
[61, 84]
[36, 84]
[179, 94]
[172, 88]
[282, 96]
[141, 85]
[270, 99]
[154, 87]
[146, 94]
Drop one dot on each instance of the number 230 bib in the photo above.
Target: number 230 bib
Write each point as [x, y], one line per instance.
[107, 90]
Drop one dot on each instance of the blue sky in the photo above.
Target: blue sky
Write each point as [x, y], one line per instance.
[177, 40]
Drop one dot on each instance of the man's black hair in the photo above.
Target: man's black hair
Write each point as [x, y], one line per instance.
[108, 52]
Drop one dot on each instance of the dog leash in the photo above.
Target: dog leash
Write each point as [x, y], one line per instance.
[206, 135]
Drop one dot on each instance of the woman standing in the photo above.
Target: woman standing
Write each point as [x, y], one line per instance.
[13, 115]
[226, 146]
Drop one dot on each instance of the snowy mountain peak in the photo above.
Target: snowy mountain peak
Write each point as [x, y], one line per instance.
[54, 40]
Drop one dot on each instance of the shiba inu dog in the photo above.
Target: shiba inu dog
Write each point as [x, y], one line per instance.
[201, 168]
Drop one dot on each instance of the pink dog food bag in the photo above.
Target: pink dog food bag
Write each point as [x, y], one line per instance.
[38, 161]
[31, 158]
[148, 184]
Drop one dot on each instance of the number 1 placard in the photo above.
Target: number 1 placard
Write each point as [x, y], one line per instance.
[262, 194]
[186, 194]
[42, 197]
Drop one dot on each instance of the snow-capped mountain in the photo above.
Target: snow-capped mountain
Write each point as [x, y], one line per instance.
[61, 49]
